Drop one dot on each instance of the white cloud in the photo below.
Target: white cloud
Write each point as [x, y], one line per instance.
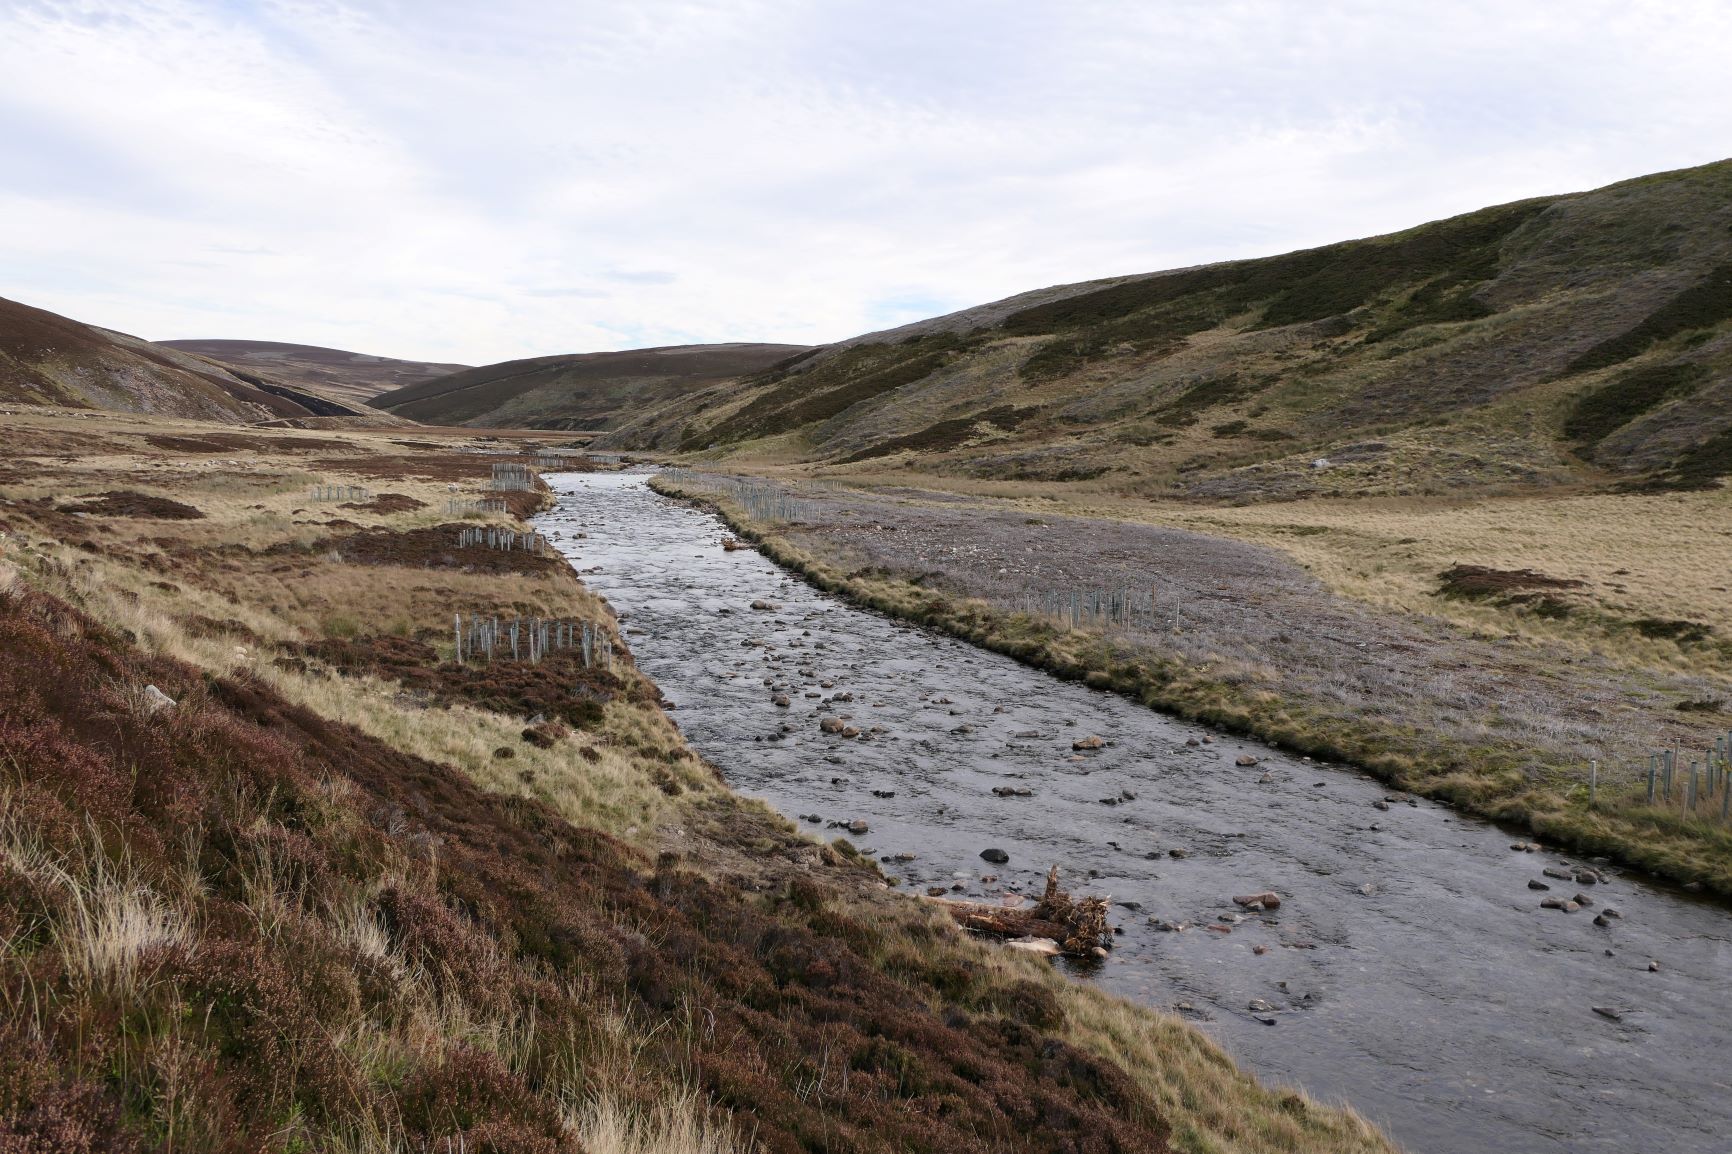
[456, 181]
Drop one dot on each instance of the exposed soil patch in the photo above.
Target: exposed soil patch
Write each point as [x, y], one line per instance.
[558, 687]
[1474, 581]
[432, 466]
[386, 503]
[435, 548]
[124, 503]
[200, 625]
[1668, 629]
[243, 443]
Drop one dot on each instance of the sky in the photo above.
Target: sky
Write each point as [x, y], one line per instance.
[468, 181]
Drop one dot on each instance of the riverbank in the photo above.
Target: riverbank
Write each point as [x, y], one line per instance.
[493, 903]
[1509, 751]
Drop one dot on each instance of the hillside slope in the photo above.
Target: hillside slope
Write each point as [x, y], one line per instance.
[1535, 344]
[48, 359]
[581, 392]
[355, 378]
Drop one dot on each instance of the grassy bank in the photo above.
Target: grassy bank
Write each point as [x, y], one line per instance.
[1497, 779]
[348, 894]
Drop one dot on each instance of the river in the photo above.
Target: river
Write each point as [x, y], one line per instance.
[1409, 971]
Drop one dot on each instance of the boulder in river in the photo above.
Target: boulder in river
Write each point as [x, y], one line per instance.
[831, 725]
[1268, 899]
[781, 699]
[994, 855]
[1245, 760]
[1090, 742]
[857, 826]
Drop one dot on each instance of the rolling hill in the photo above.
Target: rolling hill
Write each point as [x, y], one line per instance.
[585, 392]
[355, 378]
[48, 359]
[1582, 337]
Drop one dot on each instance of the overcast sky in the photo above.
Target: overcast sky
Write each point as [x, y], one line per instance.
[476, 181]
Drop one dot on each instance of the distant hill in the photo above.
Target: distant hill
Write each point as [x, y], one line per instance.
[583, 391]
[352, 377]
[1560, 340]
[48, 359]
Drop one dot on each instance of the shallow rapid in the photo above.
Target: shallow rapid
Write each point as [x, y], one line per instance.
[1409, 971]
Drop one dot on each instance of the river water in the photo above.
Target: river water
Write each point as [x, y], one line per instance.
[1409, 971]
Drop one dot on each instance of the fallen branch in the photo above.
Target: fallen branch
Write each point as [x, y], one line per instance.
[1078, 926]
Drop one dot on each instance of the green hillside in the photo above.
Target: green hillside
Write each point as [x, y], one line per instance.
[1546, 342]
[582, 392]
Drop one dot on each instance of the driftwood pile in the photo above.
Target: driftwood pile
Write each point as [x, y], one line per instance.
[1079, 926]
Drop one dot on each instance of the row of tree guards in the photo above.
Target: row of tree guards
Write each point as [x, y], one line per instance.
[511, 477]
[339, 493]
[1111, 608]
[1704, 788]
[529, 639]
[760, 501]
[509, 540]
[462, 507]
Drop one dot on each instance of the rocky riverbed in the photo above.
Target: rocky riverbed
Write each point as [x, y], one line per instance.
[1409, 968]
